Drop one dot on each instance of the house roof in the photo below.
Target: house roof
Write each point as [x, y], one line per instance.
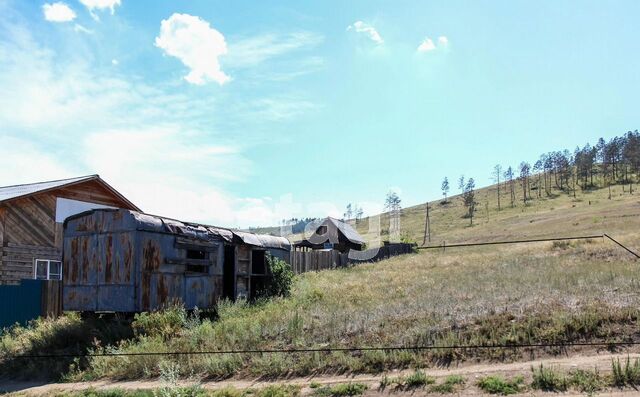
[346, 229]
[16, 191]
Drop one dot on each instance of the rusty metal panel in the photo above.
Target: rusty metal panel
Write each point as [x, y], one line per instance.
[202, 291]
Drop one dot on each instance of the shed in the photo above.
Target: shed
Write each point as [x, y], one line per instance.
[333, 234]
[127, 261]
[31, 218]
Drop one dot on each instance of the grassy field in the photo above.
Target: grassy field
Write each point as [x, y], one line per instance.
[544, 292]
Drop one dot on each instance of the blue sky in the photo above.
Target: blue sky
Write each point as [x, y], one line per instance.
[243, 113]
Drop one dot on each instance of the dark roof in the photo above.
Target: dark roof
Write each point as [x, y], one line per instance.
[16, 191]
[134, 220]
[346, 229]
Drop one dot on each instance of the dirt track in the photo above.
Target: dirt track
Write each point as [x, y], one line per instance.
[470, 372]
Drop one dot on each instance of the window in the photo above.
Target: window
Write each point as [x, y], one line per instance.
[322, 230]
[196, 254]
[45, 269]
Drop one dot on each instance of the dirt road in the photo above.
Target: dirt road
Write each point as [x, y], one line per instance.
[470, 372]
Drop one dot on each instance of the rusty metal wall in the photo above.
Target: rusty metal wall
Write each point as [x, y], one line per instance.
[111, 265]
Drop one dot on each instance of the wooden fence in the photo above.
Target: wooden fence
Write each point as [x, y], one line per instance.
[302, 261]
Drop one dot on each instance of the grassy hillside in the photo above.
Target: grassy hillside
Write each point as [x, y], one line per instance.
[560, 214]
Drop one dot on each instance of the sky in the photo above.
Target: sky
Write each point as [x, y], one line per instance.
[241, 113]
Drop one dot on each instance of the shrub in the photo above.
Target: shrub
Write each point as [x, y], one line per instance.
[498, 385]
[281, 278]
[164, 323]
[449, 385]
[627, 375]
[418, 379]
[587, 381]
[547, 379]
[279, 391]
[341, 390]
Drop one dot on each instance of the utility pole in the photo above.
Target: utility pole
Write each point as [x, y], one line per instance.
[427, 227]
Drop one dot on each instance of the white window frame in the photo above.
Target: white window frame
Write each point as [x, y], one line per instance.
[48, 261]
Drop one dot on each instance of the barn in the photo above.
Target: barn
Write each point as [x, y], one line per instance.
[127, 261]
[332, 234]
[31, 219]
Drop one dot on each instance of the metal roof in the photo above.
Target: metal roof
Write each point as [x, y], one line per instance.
[15, 191]
[160, 224]
[11, 192]
[346, 229]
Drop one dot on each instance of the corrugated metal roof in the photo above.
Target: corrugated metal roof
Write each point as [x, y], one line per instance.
[11, 192]
[159, 224]
[348, 231]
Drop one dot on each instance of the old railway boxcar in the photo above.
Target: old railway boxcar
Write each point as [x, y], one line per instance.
[127, 261]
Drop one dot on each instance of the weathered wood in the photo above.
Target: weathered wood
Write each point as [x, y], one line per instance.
[51, 298]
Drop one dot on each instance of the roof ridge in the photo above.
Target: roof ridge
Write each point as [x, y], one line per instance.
[55, 180]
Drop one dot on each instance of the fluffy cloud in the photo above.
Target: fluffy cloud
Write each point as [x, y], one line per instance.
[198, 45]
[428, 45]
[101, 5]
[58, 12]
[370, 31]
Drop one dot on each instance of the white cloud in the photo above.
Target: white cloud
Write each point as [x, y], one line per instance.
[370, 31]
[254, 50]
[82, 29]
[58, 12]
[115, 62]
[198, 45]
[100, 5]
[426, 46]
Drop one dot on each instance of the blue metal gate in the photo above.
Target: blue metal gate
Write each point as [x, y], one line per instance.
[20, 303]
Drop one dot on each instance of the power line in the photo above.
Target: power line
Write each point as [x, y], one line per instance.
[538, 240]
[330, 350]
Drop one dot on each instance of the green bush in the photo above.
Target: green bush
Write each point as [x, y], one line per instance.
[341, 390]
[418, 379]
[449, 385]
[547, 379]
[281, 278]
[498, 385]
[629, 375]
[587, 381]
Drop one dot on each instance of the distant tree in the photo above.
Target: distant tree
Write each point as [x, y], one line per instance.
[359, 213]
[508, 176]
[469, 197]
[445, 188]
[461, 184]
[537, 169]
[525, 171]
[349, 212]
[392, 204]
[497, 172]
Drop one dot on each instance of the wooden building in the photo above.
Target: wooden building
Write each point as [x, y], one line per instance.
[332, 234]
[31, 219]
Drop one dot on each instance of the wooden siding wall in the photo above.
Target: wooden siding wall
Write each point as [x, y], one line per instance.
[28, 229]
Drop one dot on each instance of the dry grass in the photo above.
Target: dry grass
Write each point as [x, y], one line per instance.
[519, 294]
